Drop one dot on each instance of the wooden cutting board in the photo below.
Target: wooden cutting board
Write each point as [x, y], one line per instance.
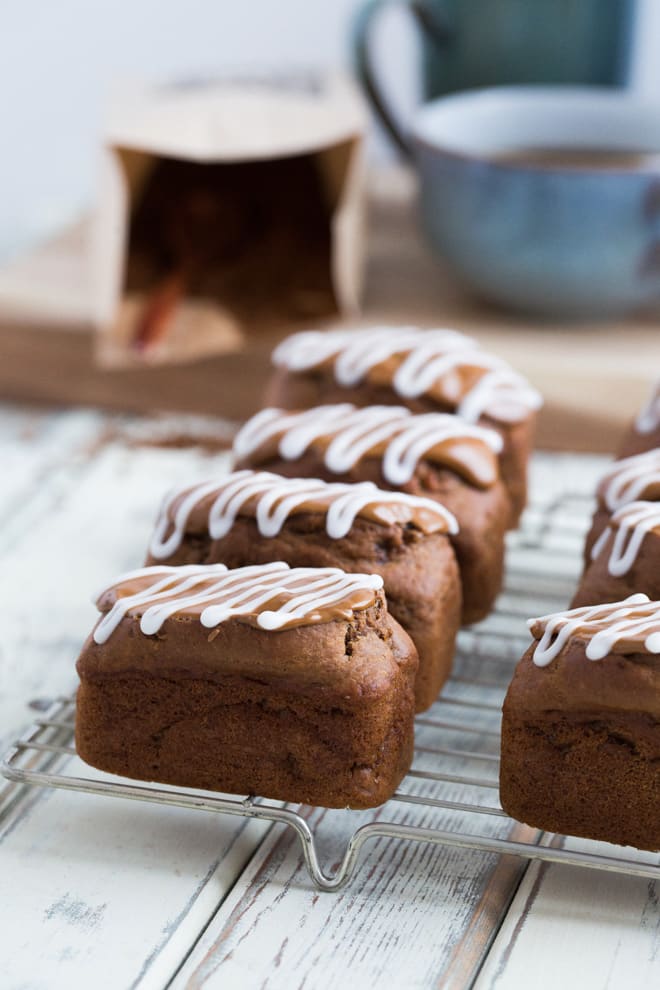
[594, 376]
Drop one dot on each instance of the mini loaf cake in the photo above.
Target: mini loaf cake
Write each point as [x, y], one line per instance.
[295, 684]
[631, 479]
[434, 455]
[581, 725]
[425, 370]
[257, 517]
[644, 433]
[625, 558]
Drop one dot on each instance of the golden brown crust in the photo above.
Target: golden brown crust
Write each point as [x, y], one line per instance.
[573, 683]
[318, 714]
[270, 596]
[598, 585]
[643, 483]
[482, 518]
[581, 746]
[294, 657]
[302, 391]
[420, 573]
[589, 775]
[384, 508]
[241, 739]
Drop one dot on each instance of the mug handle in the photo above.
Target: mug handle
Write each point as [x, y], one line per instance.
[429, 24]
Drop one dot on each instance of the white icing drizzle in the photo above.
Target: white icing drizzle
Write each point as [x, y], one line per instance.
[165, 580]
[420, 434]
[277, 498]
[220, 594]
[428, 356]
[628, 478]
[628, 527]
[605, 625]
[353, 432]
[648, 419]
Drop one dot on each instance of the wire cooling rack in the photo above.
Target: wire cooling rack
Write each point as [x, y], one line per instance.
[450, 796]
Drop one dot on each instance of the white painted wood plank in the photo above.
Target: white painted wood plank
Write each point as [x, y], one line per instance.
[106, 893]
[32, 442]
[411, 912]
[399, 924]
[575, 927]
[405, 920]
[90, 520]
[103, 893]
[570, 927]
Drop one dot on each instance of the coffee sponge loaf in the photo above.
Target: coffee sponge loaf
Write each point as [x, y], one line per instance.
[631, 479]
[295, 684]
[581, 725]
[257, 517]
[436, 456]
[436, 370]
[625, 558]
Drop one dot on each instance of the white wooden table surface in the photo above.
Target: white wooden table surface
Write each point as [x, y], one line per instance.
[97, 893]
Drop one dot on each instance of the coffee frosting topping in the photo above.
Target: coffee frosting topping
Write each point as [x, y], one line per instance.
[345, 434]
[445, 365]
[629, 626]
[630, 480]
[625, 534]
[271, 596]
[270, 499]
[648, 419]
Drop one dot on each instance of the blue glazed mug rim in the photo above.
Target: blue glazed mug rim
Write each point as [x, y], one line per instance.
[584, 99]
[555, 241]
[609, 37]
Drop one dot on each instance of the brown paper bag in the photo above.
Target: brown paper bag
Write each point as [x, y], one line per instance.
[224, 207]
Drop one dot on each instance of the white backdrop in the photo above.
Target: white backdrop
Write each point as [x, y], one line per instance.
[58, 57]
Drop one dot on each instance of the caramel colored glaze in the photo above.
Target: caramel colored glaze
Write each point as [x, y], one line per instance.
[388, 513]
[447, 390]
[470, 459]
[598, 584]
[635, 478]
[444, 365]
[621, 517]
[649, 492]
[251, 585]
[355, 601]
[628, 626]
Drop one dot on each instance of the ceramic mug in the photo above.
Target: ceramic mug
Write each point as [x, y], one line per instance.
[478, 43]
[554, 239]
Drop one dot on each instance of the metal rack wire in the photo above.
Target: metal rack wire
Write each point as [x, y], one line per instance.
[450, 796]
